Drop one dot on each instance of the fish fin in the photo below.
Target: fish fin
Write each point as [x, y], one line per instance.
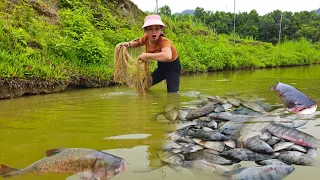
[6, 171]
[52, 152]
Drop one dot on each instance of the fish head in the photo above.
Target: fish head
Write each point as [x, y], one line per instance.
[307, 110]
[171, 158]
[122, 168]
[284, 170]
[116, 168]
[176, 160]
[227, 153]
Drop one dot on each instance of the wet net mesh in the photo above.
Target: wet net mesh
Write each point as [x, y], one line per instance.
[129, 70]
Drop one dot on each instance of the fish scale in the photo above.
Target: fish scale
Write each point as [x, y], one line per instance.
[292, 134]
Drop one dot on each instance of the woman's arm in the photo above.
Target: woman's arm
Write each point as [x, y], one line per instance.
[133, 44]
[164, 56]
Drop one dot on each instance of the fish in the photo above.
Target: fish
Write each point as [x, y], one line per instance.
[298, 148]
[245, 111]
[215, 145]
[257, 145]
[292, 134]
[282, 145]
[210, 124]
[209, 157]
[201, 112]
[219, 108]
[234, 101]
[312, 152]
[273, 140]
[231, 128]
[243, 154]
[191, 148]
[230, 143]
[298, 158]
[254, 106]
[274, 172]
[295, 123]
[294, 100]
[88, 163]
[202, 166]
[171, 145]
[265, 136]
[171, 158]
[227, 116]
[182, 115]
[270, 162]
[208, 135]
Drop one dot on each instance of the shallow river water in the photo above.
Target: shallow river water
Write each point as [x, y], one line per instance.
[92, 118]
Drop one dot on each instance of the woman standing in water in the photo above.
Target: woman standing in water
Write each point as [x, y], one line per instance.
[160, 49]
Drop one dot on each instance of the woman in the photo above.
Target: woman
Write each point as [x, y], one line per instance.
[160, 49]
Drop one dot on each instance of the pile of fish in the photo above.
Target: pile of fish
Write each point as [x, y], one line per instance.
[214, 132]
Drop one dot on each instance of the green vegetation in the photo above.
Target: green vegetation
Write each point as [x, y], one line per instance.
[61, 39]
[262, 28]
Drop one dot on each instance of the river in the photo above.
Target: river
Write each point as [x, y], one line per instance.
[87, 118]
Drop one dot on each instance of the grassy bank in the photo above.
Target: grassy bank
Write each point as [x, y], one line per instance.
[63, 39]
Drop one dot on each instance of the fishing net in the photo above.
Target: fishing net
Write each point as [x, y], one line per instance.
[131, 71]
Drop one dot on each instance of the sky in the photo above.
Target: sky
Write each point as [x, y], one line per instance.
[262, 6]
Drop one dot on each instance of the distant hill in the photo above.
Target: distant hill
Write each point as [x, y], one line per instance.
[188, 11]
[317, 11]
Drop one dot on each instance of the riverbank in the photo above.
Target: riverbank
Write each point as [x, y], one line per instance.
[13, 87]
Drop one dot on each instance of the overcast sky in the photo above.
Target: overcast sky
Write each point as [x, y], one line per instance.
[262, 6]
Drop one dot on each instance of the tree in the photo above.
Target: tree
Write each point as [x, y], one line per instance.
[268, 29]
[165, 10]
[199, 13]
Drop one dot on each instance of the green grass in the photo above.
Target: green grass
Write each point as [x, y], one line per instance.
[80, 42]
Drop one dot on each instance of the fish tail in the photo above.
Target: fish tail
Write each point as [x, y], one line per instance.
[6, 171]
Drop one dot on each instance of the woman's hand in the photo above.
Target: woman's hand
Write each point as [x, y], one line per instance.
[126, 44]
[144, 57]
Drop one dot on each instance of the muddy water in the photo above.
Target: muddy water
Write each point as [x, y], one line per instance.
[118, 121]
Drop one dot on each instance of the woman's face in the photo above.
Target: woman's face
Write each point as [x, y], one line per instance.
[153, 32]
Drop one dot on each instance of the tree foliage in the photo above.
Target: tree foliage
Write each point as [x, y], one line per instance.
[165, 10]
[263, 28]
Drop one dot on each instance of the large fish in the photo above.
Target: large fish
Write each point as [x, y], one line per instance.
[293, 135]
[201, 166]
[89, 163]
[209, 157]
[299, 158]
[242, 154]
[274, 172]
[294, 100]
